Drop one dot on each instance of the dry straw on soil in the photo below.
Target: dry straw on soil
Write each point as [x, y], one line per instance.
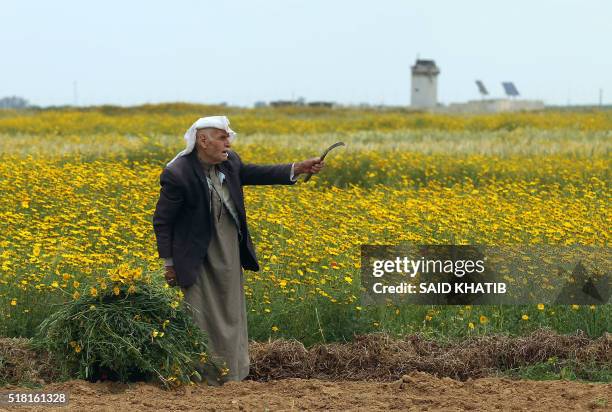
[369, 357]
[381, 357]
[20, 364]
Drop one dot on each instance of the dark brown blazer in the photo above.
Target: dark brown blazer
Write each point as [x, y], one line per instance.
[182, 220]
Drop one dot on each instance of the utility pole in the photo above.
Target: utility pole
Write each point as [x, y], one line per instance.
[600, 98]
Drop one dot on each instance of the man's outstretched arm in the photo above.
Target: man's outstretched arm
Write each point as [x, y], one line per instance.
[314, 165]
[286, 174]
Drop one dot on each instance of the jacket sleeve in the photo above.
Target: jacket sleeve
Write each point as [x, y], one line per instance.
[171, 198]
[251, 174]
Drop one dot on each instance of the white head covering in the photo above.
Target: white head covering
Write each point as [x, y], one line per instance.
[218, 122]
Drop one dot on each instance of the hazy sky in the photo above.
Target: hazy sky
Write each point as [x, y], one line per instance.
[348, 51]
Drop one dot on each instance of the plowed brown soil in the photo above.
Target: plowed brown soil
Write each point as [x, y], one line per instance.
[414, 392]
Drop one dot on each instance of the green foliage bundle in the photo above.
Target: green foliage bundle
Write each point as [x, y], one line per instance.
[126, 326]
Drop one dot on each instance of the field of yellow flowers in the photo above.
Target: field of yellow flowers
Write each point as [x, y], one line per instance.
[78, 189]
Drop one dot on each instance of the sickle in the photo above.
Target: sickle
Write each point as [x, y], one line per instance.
[337, 144]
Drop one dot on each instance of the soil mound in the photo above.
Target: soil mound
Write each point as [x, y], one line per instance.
[381, 357]
[370, 357]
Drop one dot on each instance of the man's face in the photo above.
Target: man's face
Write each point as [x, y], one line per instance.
[213, 144]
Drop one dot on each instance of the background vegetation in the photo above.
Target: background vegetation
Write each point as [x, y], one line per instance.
[79, 188]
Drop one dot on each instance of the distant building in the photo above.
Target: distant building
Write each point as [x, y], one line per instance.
[284, 103]
[13, 102]
[321, 104]
[424, 93]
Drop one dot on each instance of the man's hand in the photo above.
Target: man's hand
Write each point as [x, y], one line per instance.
[170, 276]
[313, 166]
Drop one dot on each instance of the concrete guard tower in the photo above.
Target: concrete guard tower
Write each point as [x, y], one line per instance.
[424, 84]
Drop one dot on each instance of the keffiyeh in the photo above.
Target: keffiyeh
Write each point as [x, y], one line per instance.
[218, 122]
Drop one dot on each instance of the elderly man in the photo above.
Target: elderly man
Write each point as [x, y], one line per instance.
[202, 234]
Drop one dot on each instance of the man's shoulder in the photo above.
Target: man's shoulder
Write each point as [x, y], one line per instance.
[234, 160]
[179, 167]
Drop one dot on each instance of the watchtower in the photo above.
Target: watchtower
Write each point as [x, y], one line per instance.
[424, 84]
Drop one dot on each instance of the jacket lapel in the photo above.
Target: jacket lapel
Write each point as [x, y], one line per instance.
[233, 185]
[230, 177]
[197, 168]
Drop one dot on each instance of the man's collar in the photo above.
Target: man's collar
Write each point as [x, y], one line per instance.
[224, 167]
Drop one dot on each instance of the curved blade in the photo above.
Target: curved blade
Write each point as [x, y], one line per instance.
[329, 149]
